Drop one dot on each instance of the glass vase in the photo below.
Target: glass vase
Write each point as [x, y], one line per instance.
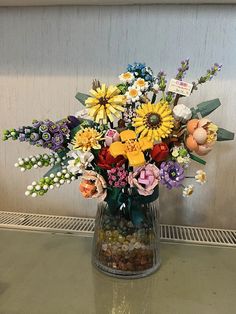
[127, 244]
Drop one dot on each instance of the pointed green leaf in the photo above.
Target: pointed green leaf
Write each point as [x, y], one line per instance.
[205, 108]
[197, 159]
[81, 98]
[224, 135]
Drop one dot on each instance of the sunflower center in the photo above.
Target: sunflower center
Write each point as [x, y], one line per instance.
[102, 101]
[153, 120]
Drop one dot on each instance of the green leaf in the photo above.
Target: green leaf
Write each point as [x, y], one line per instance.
[197, 159]
[123, 88]
[224, 135]
[81, 98]
[205, 108]
[74, 131]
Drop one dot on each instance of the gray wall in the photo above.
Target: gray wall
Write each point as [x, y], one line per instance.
[48, 54]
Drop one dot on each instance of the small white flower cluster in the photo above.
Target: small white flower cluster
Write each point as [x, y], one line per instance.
[137, 87]
[181, 155]
[49, 183]
[38, 161]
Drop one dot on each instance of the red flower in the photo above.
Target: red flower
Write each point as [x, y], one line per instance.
[160, 152]
[107, 161]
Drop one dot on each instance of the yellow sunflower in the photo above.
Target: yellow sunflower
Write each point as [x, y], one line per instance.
[154, 121]
[86, 139]
[105, 103]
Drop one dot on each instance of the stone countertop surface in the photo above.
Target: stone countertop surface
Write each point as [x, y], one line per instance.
[45, 273]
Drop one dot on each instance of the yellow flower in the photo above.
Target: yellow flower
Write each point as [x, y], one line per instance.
[211, 133]
[130, 148]
[105, 103]
[154, 121]
[87, 138]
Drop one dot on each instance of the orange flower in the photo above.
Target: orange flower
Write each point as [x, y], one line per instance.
[93, 185]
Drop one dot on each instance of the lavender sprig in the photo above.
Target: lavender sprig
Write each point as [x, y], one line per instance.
[161, 80]
[184, 67]
[208, 76]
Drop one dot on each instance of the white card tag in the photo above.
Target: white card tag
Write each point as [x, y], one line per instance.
[180, 87]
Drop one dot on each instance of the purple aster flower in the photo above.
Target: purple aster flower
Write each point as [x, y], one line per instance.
[57, 139]
[43, 128]
[36, 124]
[46, 136]
[64, 129]
[172, 174]
[34, 137]
[39, 143]
[53, 127]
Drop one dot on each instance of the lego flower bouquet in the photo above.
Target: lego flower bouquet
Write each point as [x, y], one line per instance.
[129, 139]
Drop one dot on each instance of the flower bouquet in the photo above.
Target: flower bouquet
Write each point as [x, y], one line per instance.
[129, 139]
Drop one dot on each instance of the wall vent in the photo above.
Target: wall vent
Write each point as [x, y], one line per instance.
[85, 227]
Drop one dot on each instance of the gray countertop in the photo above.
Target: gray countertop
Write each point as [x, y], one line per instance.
[44, 273]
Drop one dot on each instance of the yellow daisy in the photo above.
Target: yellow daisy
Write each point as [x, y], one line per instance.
[154, 121]
[86, 139]
[105, 103]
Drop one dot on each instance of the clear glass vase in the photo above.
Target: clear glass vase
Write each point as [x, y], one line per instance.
[122, 248]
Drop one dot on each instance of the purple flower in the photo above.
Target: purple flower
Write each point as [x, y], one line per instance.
[39, 143]
[43, 128]
[72, 122]
[46, 136]
[172, 174]
[53, 127]
[36, 124]
[34, 137]
[64, 129]
[57, 139]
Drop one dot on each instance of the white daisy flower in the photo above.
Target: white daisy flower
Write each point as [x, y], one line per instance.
[141, 83]
[126, 77]
[201, 176]
[80, 162]
[187, 191]
[133, 94]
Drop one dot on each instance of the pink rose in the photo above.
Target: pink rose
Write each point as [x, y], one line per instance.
[145, 179]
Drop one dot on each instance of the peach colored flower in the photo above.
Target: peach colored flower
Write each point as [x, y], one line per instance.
[93, 185]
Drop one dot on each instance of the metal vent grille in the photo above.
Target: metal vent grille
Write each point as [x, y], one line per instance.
[85, 227]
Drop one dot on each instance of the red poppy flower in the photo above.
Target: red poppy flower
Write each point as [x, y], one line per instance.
[160, 152]
[107, 161]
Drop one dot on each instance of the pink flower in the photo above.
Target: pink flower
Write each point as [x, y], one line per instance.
[145, 179]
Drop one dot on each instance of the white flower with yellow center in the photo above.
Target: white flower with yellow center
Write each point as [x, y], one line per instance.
[141, 83]
[126, 77]
[133, 94]
[187, 191]
[201, 176]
